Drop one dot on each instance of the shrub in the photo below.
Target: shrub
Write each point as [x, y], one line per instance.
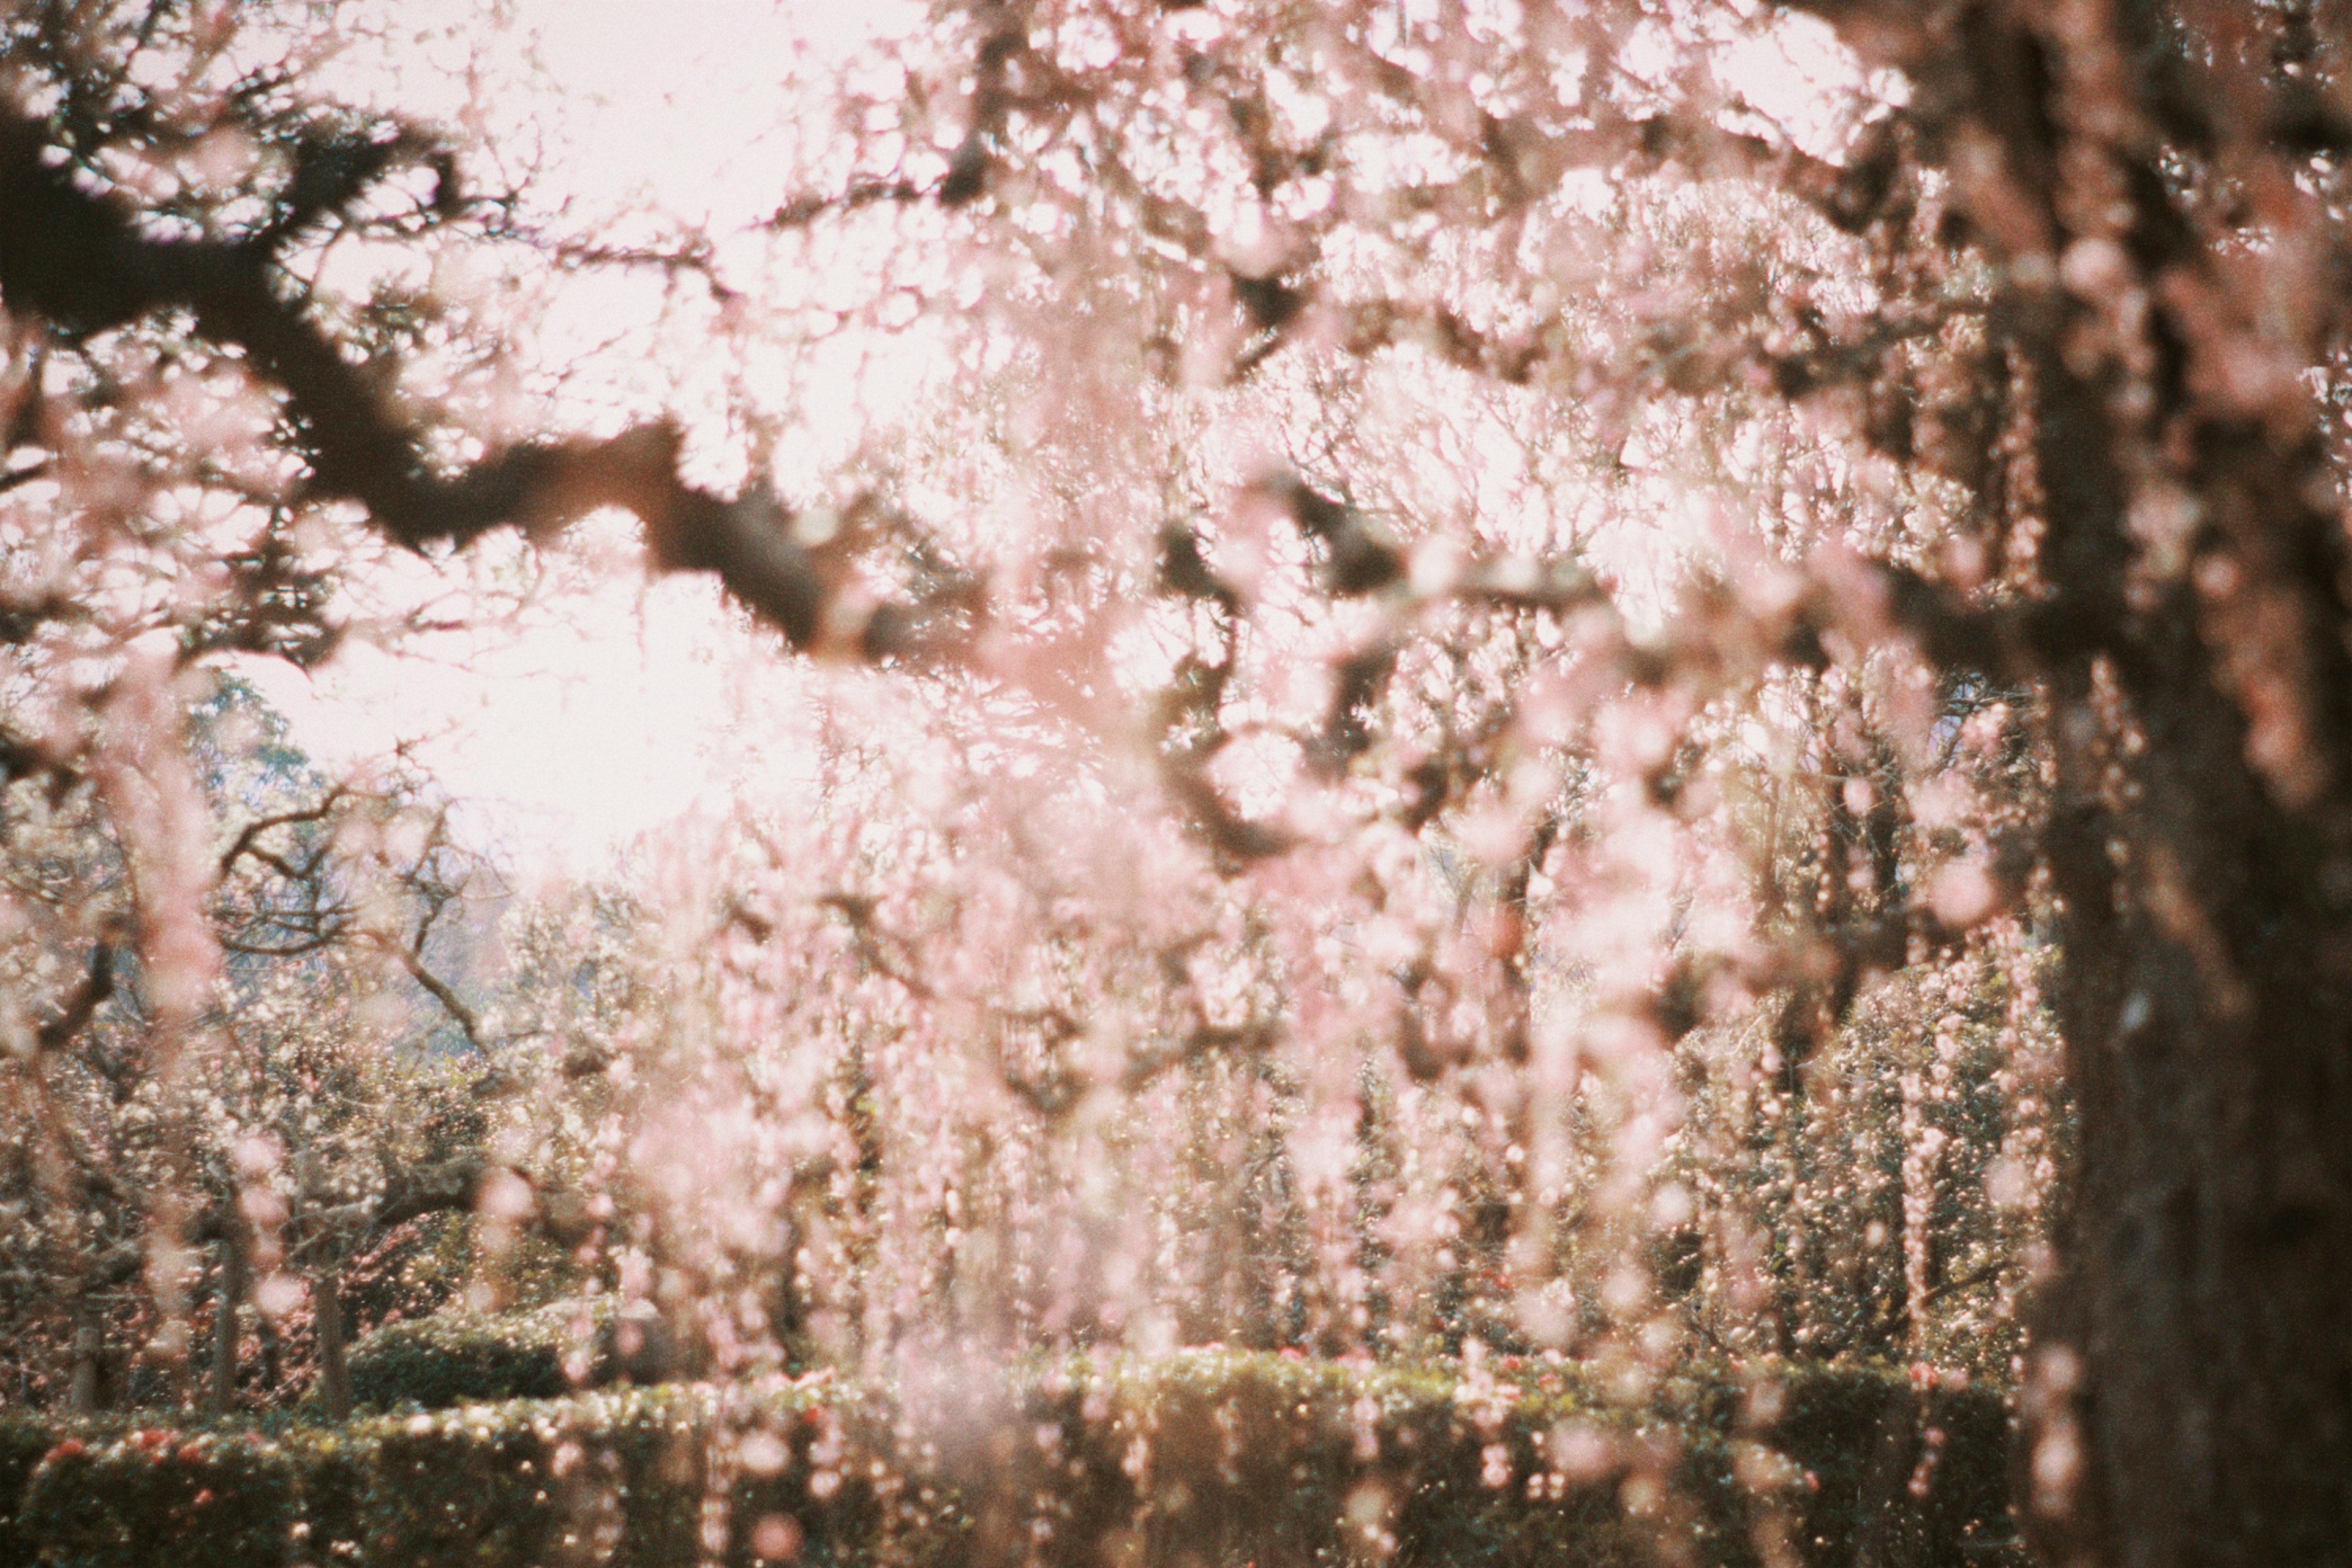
[23, 1441]
[456, 1358]
[1253, 1456]
[157, 1493]
[1203, 1457]
[460, 1358]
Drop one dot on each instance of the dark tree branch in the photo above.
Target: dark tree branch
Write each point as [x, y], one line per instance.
[97, 986]
[248, 837]
[468, 1023]
[78, 261]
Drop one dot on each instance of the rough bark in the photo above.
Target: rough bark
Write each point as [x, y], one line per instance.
[2191, 1396]
[2195, 1398]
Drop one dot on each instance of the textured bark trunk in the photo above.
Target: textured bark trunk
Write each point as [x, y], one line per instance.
[2210, 1255]
[2192, 1403]
[2191, 1399]
[334, 1370]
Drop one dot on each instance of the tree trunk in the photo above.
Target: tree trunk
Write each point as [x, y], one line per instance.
[2203, 1365]
[221, 1393]
[271, 1367]
[334, 1371]
[2185, 611]
[88, 1346]
[2192, 1397]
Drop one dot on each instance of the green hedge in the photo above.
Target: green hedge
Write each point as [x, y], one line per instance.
[213, 1497]
[1203, 1457]
[456, 1359]
[460, 1358]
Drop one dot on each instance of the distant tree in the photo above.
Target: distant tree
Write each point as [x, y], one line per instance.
[301, 1118]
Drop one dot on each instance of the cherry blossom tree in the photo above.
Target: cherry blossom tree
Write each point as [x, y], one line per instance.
[1468, 546]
